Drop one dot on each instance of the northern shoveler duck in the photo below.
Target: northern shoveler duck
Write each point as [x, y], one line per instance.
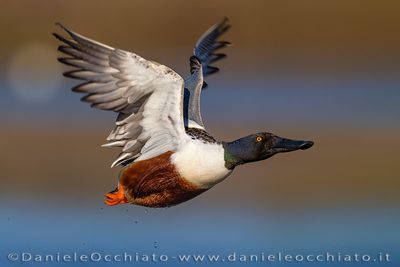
[167, 155]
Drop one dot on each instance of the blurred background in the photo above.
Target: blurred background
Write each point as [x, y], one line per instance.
[321, 70]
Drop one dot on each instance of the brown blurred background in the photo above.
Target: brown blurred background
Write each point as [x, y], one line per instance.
[321, 70]
[313, 37]
[288, 47]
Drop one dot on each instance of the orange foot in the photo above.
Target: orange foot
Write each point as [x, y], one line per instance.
[116, 197]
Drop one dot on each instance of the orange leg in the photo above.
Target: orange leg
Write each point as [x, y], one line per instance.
[116, 197]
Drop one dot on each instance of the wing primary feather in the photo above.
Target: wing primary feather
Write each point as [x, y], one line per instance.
[211, 70]
[85, 41]
[81, 55]
[209, 43]
[204, 55]
[66, 41]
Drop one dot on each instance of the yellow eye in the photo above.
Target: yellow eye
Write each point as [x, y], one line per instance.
[259, 139]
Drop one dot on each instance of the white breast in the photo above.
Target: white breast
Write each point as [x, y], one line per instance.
[201, 163]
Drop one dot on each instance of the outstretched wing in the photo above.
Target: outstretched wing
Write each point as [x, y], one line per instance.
[208, 44]
[204, 54]
[147, 95]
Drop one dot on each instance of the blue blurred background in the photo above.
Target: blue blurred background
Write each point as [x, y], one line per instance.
[321, 70]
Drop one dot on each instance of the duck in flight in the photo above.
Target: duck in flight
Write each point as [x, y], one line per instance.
[167, 155]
